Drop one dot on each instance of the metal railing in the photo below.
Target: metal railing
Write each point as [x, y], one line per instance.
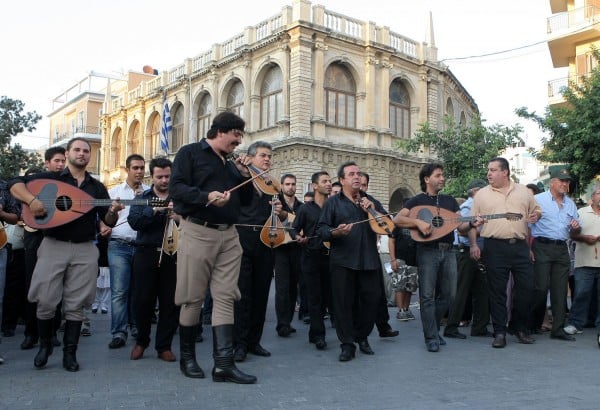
[576, 18]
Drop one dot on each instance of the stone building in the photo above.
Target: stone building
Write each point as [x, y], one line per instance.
[322, 87]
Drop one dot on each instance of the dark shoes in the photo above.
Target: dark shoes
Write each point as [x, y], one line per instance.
[499, 341]
[389, 332]
[441, 341]
[364, 347]
[284, 331]
[455, 335]
[240, 354]
[348, 353]
[524, 338]
[320, 344]
[137, 353]
[167, 356]
[563, 336]
[258, 350]
[433, 346]
[28, 343]
[116, 343]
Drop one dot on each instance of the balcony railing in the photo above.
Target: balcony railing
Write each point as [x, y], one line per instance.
[577, 18]
[557, 86]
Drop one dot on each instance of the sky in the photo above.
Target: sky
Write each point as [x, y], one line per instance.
[48, 46]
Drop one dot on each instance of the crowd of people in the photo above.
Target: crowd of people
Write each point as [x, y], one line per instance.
[213, 229]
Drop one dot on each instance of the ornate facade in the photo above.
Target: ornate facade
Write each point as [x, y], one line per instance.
[323, 88]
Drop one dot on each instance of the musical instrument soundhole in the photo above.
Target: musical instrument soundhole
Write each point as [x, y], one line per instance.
[64, 203]
[437, 221]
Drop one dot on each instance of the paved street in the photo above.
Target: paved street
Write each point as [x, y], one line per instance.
[401, 375]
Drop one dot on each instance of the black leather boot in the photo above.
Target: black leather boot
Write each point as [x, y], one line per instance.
[187, 351]
[70, 341]
[225, 369]
[45, 334]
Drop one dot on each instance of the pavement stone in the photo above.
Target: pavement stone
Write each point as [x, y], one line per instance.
[465, 374]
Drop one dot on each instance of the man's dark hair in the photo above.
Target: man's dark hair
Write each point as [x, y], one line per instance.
[364, 174]
[159, 162]
[309, 194]
[225, 122]
[534, 188]
[258, 144]
[336, 183]
[503, 162]
[34, 170]
[427, 170]
[315, 177]
[285, 176]
[342, 169]
[133, 157]
[52, 151]
[72, 140]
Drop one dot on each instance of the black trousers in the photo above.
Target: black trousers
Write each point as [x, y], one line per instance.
[152, 282]
[502, 258]
[287, 274]
[472, 280]
[315, 268]
[256, 273]
[347, 287]
[15, 291]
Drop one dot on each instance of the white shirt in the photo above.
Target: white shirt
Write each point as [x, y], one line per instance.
[122, 230]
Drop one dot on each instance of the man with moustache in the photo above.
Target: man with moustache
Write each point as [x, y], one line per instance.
[354, 262]
[67, 263]
[506, 249]
[552, 261]
[154, 271]
[209, 252]
[256, 270]
[436, 259]
[315, 258]
[120, 255]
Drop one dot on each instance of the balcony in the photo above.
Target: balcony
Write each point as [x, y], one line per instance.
[88, 132]
[557, 86]
[567, 29]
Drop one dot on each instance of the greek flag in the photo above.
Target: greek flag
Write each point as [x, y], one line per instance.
[167, 127]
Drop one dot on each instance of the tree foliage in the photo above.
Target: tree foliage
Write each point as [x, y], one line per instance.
[573, 128]
[463, 151]
[13, 121]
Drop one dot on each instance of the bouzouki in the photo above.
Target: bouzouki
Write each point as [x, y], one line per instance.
[65, 203]
[443, 221]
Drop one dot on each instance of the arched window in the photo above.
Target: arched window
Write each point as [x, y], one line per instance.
[176, 140]
[463, 119]
[152, 138]
[235, 99]
[115, 149]
[399, 110]
[449, 108]
[340, 96]
[204, 112]
[133, 141]
[271, 98]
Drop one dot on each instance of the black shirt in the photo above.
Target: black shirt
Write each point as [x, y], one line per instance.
[82, 229]
[358, 249]
[150, 227]
[291, 211]
[405, 247]
[197, 171]
[257, 211]
[306, 221]
[441, 200]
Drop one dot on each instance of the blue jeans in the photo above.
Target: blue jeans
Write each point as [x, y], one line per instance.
[120, 261]
[584, 284]
[437, 286]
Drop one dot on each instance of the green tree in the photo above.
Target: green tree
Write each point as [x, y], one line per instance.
[464, 151]
[13, 121]
[573, 128]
